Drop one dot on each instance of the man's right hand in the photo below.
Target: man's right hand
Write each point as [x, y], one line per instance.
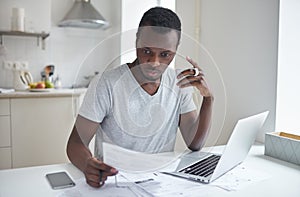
[95, 168]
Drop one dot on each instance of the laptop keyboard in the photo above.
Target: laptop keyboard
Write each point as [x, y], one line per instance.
[204, 167]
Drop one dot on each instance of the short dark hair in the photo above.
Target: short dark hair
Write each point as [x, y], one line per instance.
[161, 17]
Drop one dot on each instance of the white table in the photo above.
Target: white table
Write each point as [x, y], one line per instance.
[284, 179]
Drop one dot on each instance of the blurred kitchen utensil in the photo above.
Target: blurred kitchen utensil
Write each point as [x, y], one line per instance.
[57, 82]
[27, 77]
[22, 79]
[49, 71]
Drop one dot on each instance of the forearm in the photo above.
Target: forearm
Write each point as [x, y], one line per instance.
[200, 128]
[78, 155]
[77, 152]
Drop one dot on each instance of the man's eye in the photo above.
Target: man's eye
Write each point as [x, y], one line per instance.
[164, 54]
[146, 51]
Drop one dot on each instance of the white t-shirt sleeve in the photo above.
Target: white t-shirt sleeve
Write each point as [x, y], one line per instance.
[96, 103]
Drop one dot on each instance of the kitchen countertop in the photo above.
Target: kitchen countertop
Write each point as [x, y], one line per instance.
[44, 94]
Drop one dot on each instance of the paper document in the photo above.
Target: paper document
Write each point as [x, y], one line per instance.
[108, 189]
[152, 184]
[240, 177]
[133, 161]
[158, 184]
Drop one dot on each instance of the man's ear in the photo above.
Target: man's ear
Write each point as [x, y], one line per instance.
[178, 43]
[136, 39]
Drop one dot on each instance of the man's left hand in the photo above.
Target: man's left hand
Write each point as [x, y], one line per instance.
[194, 77]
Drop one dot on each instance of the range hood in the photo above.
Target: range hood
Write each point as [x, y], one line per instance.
[83, 15]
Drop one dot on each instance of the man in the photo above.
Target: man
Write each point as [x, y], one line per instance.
[140, 105]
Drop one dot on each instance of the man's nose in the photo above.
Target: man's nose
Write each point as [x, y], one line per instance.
[154, 60]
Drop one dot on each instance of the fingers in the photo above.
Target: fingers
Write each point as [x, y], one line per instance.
[190, 72]
[193, 77]
[99, 165]
[191, 61]
[188, 81]
[95, 181]
[190, 76]
[195, 71]
[96, 172]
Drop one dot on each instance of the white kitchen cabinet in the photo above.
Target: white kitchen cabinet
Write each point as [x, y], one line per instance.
[5, 140]
[35, 127]
[5, 155]
[5, 131]
[40, 129]
[4, 107]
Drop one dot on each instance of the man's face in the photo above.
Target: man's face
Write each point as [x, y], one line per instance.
[155, 51]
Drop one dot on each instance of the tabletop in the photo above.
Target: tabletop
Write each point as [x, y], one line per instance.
[283, 179]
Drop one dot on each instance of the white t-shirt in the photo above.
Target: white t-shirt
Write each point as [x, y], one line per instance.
[129, 116]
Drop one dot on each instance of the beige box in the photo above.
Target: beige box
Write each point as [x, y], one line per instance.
[284, 146]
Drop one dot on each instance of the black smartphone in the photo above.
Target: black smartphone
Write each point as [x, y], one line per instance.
[59, 180]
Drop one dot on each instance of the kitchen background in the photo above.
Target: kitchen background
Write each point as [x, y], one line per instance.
[241, 36]
[65, 47]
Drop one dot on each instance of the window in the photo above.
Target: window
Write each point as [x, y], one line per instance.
[288, 94]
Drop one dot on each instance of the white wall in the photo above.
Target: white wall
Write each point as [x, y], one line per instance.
[241, 37]
[288, 96]
[191, 46]
[18, 48]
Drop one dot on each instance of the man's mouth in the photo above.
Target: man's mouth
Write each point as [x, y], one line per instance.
[152, 73]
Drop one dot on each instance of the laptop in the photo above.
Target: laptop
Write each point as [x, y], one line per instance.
[206, 167]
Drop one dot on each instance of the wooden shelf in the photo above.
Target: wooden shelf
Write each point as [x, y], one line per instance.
[40, 36]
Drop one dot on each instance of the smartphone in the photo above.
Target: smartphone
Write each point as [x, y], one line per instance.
[59, 180]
